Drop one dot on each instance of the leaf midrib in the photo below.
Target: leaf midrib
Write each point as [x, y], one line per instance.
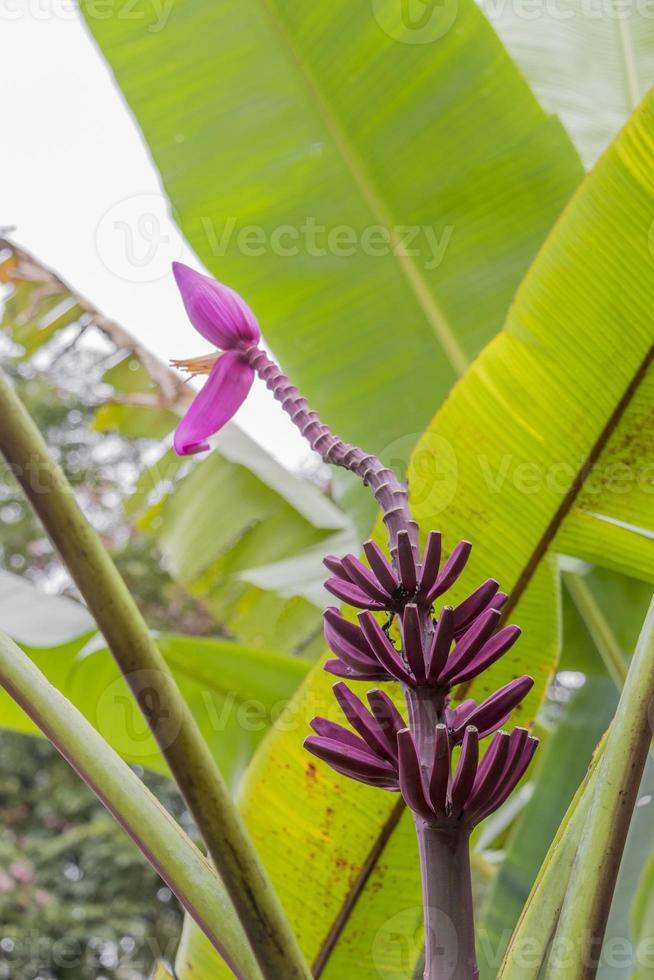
[532, 564]
[577, 484]
[434, 315]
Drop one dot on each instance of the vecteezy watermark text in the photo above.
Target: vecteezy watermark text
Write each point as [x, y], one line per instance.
[151, 15]
[423, 243]
[136, 239]
[565, 10]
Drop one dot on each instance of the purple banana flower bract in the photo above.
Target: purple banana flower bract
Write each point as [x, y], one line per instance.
[224, 319]
[223, 394]
[216, 311]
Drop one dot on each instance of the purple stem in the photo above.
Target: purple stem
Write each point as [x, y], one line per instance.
[425, 708]
[447, 901]
[444, 863]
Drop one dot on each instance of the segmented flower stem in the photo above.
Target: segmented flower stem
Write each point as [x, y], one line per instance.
[389, 492]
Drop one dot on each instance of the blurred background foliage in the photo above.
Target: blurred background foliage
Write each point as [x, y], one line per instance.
[77, 900]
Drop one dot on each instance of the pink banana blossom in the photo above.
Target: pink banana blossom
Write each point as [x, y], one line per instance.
[225, 320]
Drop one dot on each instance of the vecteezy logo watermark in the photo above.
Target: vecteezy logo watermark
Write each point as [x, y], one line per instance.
[415, 21]
[137, 240]
[434, 472]
[398, 946]
[422, 243]
[121, 716]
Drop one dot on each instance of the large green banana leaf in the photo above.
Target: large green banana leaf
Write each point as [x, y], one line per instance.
[591, 63]
[632, 885]
[547, 407]
[376, 199]
[234, 691]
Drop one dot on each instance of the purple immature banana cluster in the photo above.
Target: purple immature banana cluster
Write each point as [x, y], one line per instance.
[434, 653]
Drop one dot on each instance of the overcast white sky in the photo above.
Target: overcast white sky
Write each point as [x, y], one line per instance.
[74, 176]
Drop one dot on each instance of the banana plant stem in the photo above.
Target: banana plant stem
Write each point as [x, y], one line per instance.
[540, 914]
[155, 690]
[588, 898]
